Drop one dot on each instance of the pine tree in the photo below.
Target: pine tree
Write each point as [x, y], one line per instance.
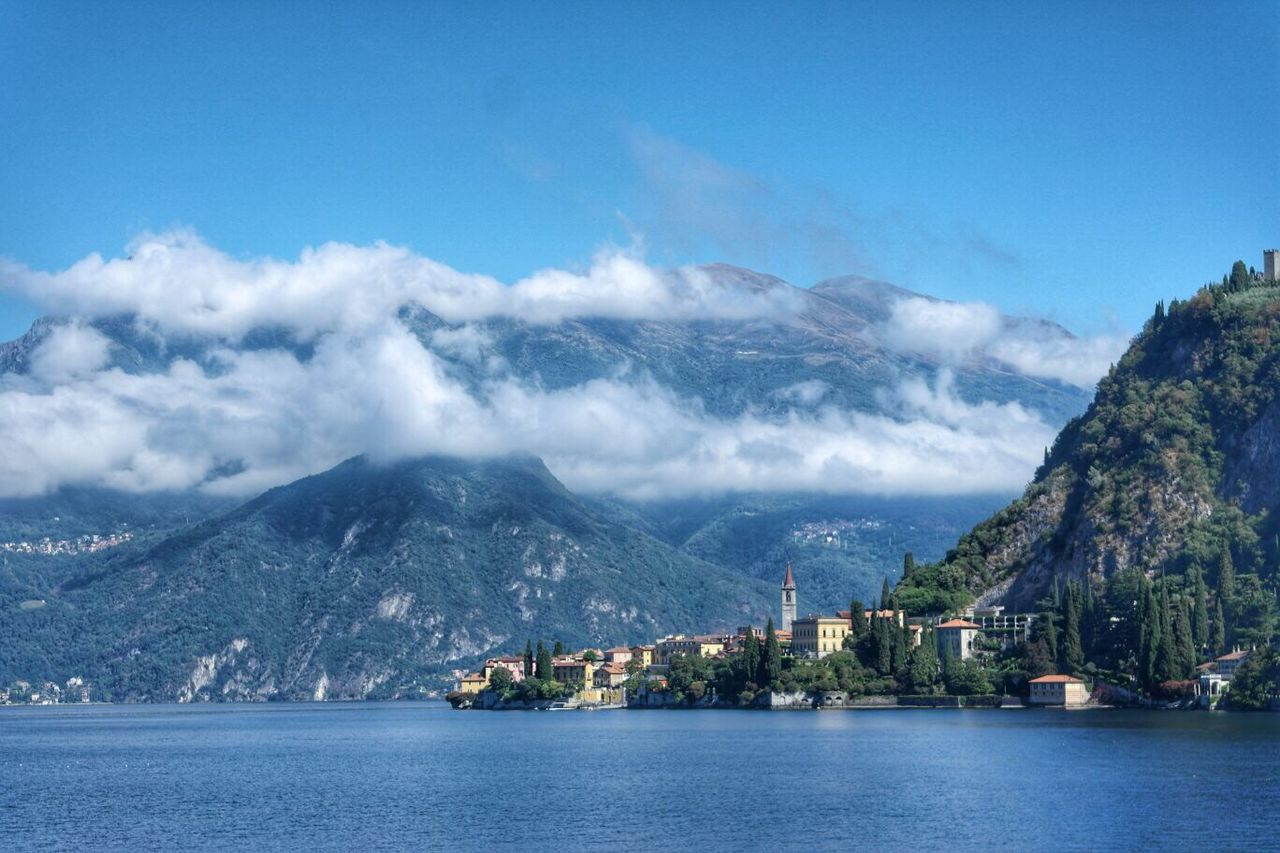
[545, 670]
[1218, 635]
[857, 620]
[750, 655]
[1072, 646]
[528, 659]
[771, 661]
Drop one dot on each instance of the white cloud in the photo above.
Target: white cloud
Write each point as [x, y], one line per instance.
[254, 419]
[958, 332]
[181, 284]
[949, 330]
[70, 350]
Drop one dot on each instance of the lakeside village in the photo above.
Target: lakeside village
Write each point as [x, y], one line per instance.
[879, 657]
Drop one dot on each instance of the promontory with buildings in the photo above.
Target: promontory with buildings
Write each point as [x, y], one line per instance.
[864, 657]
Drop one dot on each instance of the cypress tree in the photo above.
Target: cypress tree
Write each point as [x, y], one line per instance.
[771, 662]
[528, 659]
[883, 646]
[857, 620]
[1072, 645]
[1165, 659]
[886, 596]
[1150, 634]
[1218, 635]
[750, 655]
[1185, 657]
[1226, 577]
[1049, 631]
[922, 665]
[1091, 623]
[1200, 616]
[897, 648]
[545, 669]
[558, 650]
[908, 564]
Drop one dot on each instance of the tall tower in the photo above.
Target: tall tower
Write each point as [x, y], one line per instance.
[1270, 262]
[788, 600]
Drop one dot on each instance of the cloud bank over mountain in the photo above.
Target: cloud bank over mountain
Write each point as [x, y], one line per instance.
[241, 419]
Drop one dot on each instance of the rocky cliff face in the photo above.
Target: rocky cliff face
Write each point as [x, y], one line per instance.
[1176, 459]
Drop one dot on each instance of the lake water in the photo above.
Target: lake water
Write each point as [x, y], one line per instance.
[376, 776]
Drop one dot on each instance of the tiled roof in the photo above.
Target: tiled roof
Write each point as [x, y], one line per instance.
[960, 623]
[1235, 655]
[1056, 679]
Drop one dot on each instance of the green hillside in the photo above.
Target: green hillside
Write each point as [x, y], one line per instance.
[362, 581]
[1171, 477]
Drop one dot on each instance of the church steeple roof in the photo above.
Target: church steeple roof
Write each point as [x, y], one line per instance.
[788, 582]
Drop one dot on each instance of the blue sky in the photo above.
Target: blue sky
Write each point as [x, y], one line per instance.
[1077, 161]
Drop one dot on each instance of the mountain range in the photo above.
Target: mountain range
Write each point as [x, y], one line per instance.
[376, 579]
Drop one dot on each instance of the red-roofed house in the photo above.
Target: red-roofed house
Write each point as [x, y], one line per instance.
[1064, 690]
[955, 639]
[610, 675]
[618, 654]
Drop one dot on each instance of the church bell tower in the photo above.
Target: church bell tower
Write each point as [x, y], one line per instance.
[788, 600]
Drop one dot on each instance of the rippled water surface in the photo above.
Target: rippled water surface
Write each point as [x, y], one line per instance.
[398, 776]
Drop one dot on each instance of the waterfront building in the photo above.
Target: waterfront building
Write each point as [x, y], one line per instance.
[572, 670]
[816, 636]
[1227, 665]
[1065, 690]
[955, 639]
[472, 684]
[511, 663]
[610, 675]
[788, 600]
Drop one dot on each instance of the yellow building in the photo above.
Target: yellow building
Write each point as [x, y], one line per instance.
[571, 670]
[710, 645]
[643, 654]
[1058, 690]
[817, 636]
[472, 684]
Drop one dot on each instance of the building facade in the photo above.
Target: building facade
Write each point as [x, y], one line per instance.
[956, 639]
[1064, 690]
[1270, 260]
[817, 636]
